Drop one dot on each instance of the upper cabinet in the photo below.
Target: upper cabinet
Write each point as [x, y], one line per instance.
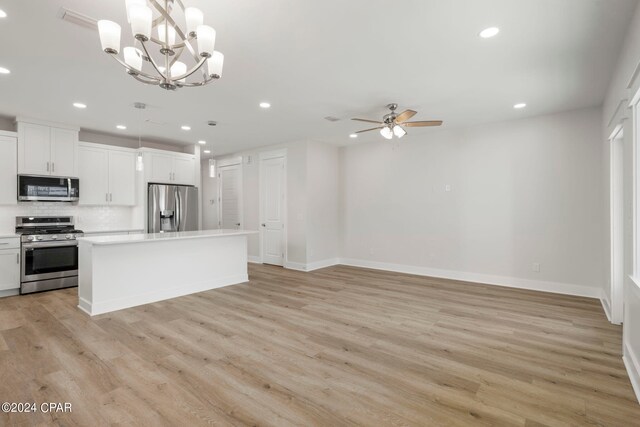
[8, 169]
[107, 175]
[174, 168]
[47, 150]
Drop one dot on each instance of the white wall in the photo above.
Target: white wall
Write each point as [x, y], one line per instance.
[296, 194]
[323, 196]
[522, 192]
[624, 84]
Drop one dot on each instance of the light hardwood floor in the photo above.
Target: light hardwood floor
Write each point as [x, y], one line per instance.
[340, 346]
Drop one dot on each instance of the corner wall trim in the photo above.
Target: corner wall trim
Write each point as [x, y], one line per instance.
[633, 369]
[512, 282]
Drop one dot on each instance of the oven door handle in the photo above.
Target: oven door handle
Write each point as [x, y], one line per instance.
[56, 244]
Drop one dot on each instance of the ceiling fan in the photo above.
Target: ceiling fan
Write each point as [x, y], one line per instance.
[394, 124]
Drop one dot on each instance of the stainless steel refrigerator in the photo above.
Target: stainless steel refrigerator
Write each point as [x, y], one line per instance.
[172, 208]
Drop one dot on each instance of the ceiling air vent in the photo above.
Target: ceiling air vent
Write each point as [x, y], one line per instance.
[332, 119]
[77, 18]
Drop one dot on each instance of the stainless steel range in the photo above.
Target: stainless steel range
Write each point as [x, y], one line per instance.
[49, 253]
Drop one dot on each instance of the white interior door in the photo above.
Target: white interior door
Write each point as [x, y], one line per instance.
[230, 191]
[272, 209]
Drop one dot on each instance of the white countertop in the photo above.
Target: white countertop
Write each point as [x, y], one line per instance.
[123, 230]
[182, 235]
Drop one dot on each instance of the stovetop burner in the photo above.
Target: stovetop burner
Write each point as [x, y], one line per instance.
[32, 231]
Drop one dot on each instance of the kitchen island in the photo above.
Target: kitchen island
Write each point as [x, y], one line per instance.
[128, 270]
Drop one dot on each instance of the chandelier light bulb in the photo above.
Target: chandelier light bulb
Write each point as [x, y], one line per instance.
[386, 132]
[214, 64]
[109, 36]
[399, 131]
[162, 29]
[206, 40]
[178, 69]
[141, 17]
[194, 18]
[130, 3]
[133, 57]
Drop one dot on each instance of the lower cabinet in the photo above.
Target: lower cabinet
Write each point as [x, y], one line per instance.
[107, 175]
[9, 264]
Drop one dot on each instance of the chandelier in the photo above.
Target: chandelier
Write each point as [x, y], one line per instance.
[159, 30]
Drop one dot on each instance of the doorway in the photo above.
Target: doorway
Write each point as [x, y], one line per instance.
[273, 169]
[616, 291]
[230, 194]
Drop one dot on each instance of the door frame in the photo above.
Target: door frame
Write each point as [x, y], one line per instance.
[220, 164]
[617, 229]
[266, 155]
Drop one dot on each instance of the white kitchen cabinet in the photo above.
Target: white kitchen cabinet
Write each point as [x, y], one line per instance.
[64, 144]
[107, 176]
[172, 169]
[183, 171]
[47, 150]
[9, 264]
[122, 178]
[94, 175]
[8, 170]
[161, 168]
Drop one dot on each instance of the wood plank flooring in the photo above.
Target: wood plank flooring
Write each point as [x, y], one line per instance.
[339, 346]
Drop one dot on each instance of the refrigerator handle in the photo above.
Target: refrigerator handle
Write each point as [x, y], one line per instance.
[178, 216]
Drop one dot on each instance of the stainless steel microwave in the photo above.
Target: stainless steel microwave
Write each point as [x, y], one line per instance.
[34, 188]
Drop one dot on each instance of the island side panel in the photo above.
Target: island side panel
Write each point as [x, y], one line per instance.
[128, 275]
[85, 272]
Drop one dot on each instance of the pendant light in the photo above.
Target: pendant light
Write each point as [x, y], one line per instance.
[139, 160]
[212, 168]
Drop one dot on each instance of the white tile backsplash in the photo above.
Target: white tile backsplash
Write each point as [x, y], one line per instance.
[92, 218]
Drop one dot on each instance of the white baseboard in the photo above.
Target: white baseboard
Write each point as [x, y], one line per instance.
[606, 306]
[323, 264]
[254, 259]
[633, 368]
[298, 266]
[295, 266]
[9, 292]
[512, 282]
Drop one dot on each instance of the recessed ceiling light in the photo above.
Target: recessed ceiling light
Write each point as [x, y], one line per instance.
[207, 151]
[265, 105]
[202, 142]
[4, 71]
[3, 14]
[121, 127]
[79, 105]
[487, 33]
[353, 135]
[185, 127]
[519, 105]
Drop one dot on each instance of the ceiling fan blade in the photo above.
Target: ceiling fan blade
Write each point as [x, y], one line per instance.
[367, 130]
[422, 124]
[368, 121]
[405, 115]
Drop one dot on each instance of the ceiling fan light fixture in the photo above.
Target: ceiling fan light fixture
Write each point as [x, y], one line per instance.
[399, 131]
[386, 132]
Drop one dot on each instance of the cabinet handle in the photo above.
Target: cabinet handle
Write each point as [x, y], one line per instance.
[18, 258]
[106, 197]
[111, 197]
[47, 166]
[53, 166]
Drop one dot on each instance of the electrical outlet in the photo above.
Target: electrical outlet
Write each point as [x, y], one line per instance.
[447, 188]
[536, 267]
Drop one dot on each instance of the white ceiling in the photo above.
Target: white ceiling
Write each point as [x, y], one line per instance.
[312, 59]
